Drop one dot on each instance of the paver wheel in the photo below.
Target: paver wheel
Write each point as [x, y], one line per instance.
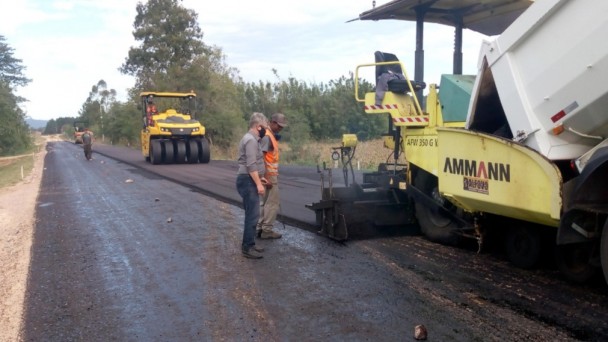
[523, 245]
[434, 225]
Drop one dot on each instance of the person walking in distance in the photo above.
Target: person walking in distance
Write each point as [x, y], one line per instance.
[250, 181]
[269, 207]
[87, 143]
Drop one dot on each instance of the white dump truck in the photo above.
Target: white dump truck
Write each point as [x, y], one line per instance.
[517, 154]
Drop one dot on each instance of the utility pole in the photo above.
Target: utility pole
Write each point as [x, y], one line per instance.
[101, 119]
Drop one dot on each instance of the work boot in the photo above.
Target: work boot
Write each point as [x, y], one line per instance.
[270, 235]
[252, 253]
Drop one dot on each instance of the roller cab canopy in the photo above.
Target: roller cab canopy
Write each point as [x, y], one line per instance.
[489, 17]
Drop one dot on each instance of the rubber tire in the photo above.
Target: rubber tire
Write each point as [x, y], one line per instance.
[573, 261]
[180, 152]
[434, 226]
[604, 251]
[204, 151]
[192, 152]
[168, 152]
[156, 152]
[523, 246]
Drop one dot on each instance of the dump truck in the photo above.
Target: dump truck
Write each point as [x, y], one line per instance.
[171, 133]
[516, 155]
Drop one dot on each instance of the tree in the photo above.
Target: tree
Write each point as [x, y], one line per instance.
[14, 131]
[173, 57]
[170, 39]
[50, 128]
[125, 124]
[11, 69]
[96, 110]
[328, 110]
[219, 97]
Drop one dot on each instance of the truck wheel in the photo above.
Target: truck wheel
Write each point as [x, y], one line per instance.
[523, 244]
[192, 152]
[169, 152]
[573, 261]
[434, 225]
[156, 155]
[604, 251]
[204, 152]
[180, 151]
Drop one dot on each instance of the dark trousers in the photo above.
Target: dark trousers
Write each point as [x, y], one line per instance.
[251, 203]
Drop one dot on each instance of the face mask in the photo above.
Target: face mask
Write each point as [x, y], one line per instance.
[262, 132]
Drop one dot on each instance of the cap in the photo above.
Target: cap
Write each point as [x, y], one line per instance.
[279, 119]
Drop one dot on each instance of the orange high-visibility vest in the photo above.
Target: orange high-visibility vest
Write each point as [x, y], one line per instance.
[271, 158]
[151, 109]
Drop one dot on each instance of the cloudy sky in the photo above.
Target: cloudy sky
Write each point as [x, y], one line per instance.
[67, 46]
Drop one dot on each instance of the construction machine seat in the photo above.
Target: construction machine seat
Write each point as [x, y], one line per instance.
[393, 75]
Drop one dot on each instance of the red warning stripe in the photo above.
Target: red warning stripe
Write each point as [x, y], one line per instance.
[562, 113]
[411, 119]
[558, 116]
[374, 107]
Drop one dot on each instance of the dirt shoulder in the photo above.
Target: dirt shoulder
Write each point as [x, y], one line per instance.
[17, 210]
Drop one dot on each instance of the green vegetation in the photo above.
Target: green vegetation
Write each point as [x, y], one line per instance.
[10, 170]
[11, 167]
[14, 131]
[170, 55]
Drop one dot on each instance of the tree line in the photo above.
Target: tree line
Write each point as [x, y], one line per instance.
[15, 134]
[171, 55]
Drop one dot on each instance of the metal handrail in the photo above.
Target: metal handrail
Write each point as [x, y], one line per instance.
[409, 84]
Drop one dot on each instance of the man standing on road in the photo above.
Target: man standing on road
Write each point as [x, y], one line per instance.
[250, 181]
[269, 207]
[87, 143]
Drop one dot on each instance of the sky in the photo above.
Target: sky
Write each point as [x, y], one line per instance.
[67, 46]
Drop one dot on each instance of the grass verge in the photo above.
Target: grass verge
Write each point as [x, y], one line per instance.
[13, 170]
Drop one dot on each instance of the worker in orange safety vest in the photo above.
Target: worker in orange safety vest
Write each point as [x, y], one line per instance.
[269, 205]
[150, 110]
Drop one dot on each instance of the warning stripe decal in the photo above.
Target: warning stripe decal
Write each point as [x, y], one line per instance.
[374, 107]
[411, 119]
[408, 119]
[562, 113]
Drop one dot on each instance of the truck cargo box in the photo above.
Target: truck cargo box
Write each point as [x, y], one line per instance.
[546, 74]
